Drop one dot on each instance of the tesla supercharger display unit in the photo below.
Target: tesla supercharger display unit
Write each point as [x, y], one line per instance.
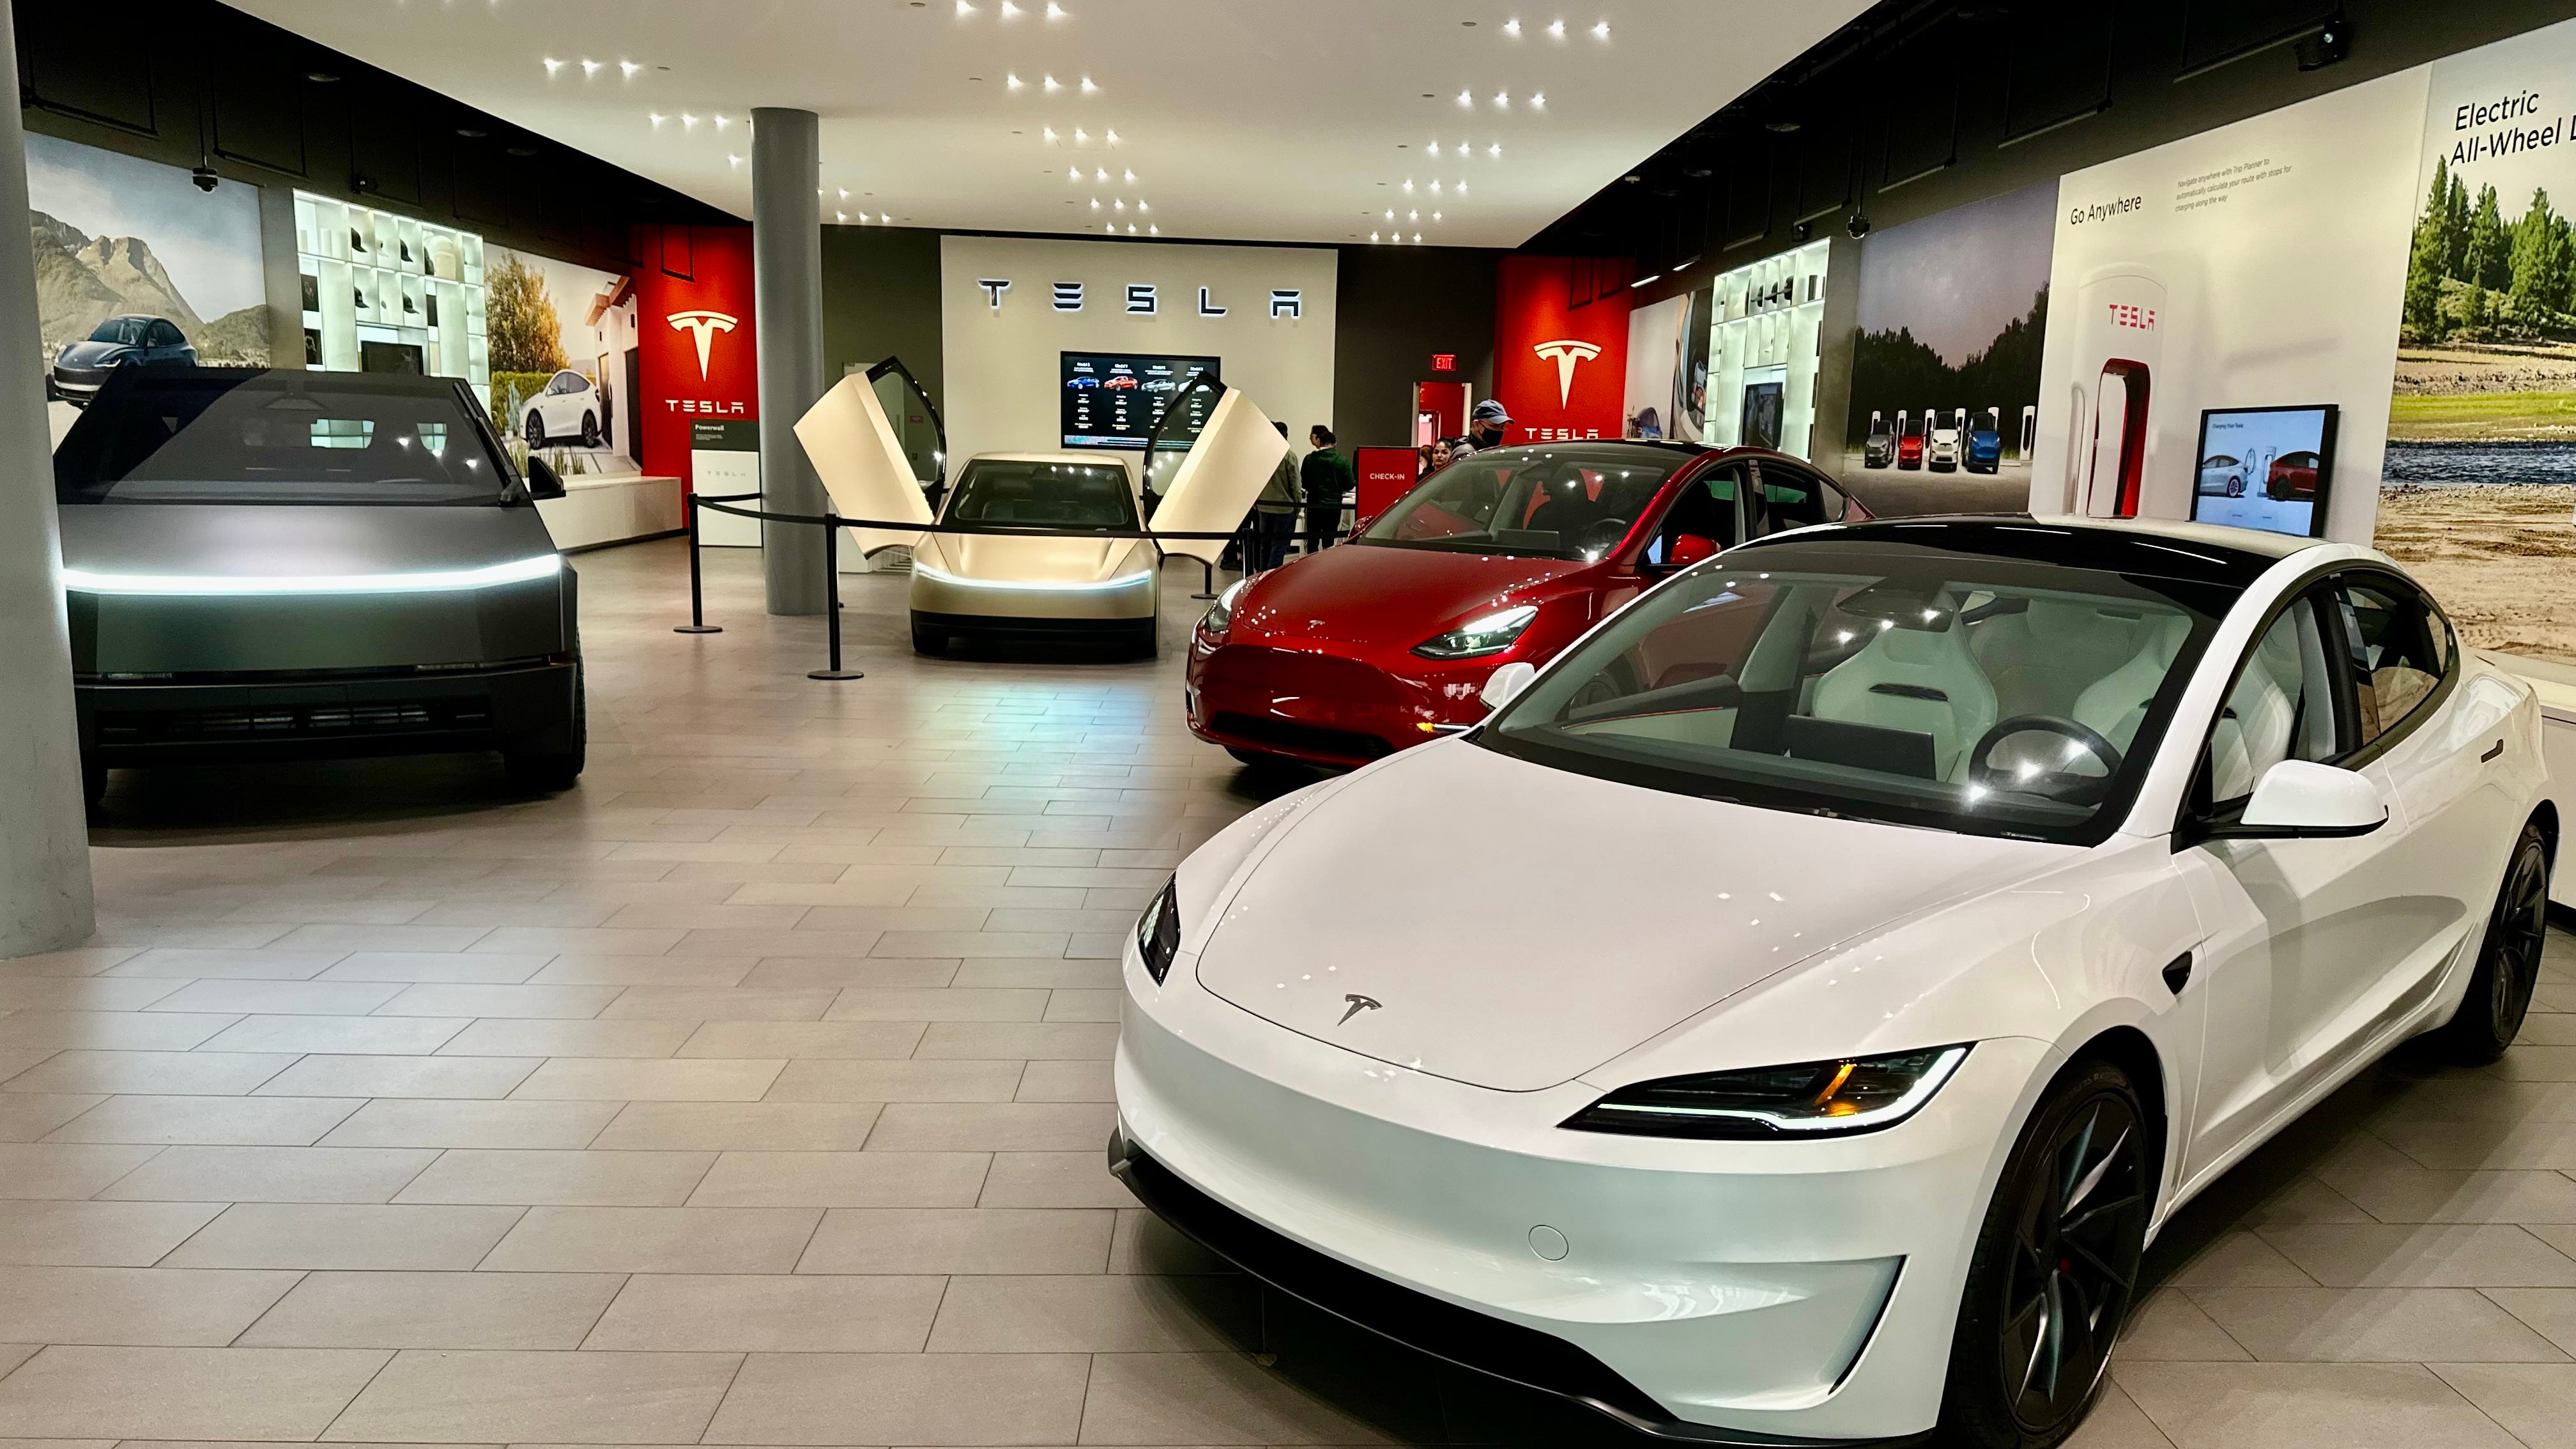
[2029, 429]
[2121, 317]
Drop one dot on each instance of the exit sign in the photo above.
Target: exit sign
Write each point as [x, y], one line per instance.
[1444, 362]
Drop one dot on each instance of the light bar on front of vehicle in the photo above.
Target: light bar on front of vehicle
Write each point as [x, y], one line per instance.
[1123, 581]
[526, 570]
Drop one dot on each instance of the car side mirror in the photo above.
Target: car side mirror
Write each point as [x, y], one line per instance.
[2299, 799]
[1506, 682]
[542, 481]
[1690, 548]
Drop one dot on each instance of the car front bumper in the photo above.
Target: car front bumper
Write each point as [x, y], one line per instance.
[1725, 1292]
[195, 719]
[999, 603]
[1325, 707]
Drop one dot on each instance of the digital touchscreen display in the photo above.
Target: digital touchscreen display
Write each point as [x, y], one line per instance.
[2266, 468]
[1113, 400]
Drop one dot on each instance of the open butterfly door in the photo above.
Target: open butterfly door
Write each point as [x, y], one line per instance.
[1209, 487]
[859, 453]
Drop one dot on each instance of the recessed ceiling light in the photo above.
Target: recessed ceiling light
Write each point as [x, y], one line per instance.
[1054, 11]
[964, 9]
[1047, 132]
[1408, 185]
[841, 216]
[1435, 186]
[1053, 85]
[1095, 203]
[1512, 26]
[1153, 231]
[1466, 98]
[1503, 99]
[1390, 213]
[1417, 236]
[885, 220]
[1372, 236]
[658, 117]
[1495, 149]
[1131, 175]
[1140, 206]
[628, 69]
[1088, 88]
[1098, 173]
[732, 160]
[591, 68]
[1538, 100]
[1414, 215]
[845, 193]
[1113, 136]
[1556, 30]
[688, 122]
[1601, 31]
[1462, 187]
[1013, 81]
[1080, 135]
[1010, 11]
[1435, 148]
[553, 65]
[723, 120]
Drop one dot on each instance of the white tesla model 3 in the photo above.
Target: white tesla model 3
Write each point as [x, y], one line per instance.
[1789, 1016]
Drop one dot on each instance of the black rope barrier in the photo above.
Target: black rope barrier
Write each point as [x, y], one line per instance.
[833, 523]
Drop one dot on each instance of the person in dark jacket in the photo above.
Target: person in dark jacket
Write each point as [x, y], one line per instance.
[1328, 478]
[1487, 426]
[1274, 513]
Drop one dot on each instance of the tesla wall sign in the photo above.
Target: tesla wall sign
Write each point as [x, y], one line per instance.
[1144, 299]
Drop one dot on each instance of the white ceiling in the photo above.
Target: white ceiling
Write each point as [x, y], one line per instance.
[1279, 120]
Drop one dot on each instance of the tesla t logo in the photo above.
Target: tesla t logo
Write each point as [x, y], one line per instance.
[1359, 1004]
[705, 325]
[2125, 315]
[1565, 354]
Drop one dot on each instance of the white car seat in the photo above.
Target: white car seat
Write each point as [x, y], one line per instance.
[1924, 680]
[2116, 704]
[2041, 659]
[2255, 725]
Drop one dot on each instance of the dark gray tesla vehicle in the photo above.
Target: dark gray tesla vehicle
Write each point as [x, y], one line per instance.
[289, 565]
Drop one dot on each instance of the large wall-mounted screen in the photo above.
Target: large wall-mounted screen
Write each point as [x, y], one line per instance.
[2266, 468]
[1112, 400]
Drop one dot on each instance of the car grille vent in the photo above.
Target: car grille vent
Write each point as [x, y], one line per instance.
[1347, 744]
[321, 721]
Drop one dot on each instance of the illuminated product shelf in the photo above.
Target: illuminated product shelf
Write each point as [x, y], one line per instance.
[1763, 349]
[389, 293]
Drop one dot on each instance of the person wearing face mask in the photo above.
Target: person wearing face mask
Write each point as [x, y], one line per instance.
[1486, 427]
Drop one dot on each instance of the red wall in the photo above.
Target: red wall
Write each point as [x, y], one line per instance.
[1533, 311]
[681, 270]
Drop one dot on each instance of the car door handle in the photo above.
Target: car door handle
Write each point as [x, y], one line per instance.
[2492, 751]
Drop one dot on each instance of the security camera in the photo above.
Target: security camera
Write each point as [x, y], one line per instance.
[205, 178]
[2331, 43]
[1857, 225]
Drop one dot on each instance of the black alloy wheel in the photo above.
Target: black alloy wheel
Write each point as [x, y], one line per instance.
[590, 430]
[536, 429]
[2499, 993]
[2056, 1267]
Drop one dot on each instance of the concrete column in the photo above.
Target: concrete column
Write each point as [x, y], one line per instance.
[44, 835]
[787, 284]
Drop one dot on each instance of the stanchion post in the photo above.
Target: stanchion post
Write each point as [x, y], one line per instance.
[832, 601]
[1207, 581]
[697, 592]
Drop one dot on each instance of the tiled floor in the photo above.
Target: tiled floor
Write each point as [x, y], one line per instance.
[754, 1092]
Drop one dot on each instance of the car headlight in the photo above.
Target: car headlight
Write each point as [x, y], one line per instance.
[1491, 634]
[1811, 1099]
[1220, 615]
[1158, 931]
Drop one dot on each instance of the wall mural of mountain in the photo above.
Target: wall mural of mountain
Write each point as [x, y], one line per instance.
[83, 280]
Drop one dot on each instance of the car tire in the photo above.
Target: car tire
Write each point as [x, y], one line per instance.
[2055, 1268]
[536, 431]
[926, 640]
[590, 430]
[555, 771]
[2499, 994]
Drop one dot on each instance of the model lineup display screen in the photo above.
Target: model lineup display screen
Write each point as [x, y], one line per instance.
[1113, 400]
[2266, 468]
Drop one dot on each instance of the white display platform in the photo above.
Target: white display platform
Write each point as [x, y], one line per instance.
[2556, 686]
[597, 511]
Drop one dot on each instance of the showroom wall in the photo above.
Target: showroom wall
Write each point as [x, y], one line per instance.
[1006, 382]
[880, 300]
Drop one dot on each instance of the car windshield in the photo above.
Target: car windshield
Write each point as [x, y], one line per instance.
[128, 330]
[1878, 680]
[279, 437]
[1567, 501]
[1037, 494]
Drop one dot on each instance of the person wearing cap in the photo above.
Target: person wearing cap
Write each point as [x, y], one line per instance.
[1485, 427]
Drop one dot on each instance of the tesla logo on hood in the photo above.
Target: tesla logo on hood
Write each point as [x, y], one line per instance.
[1359, 1004]
[1565, 353]
[705, 326]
